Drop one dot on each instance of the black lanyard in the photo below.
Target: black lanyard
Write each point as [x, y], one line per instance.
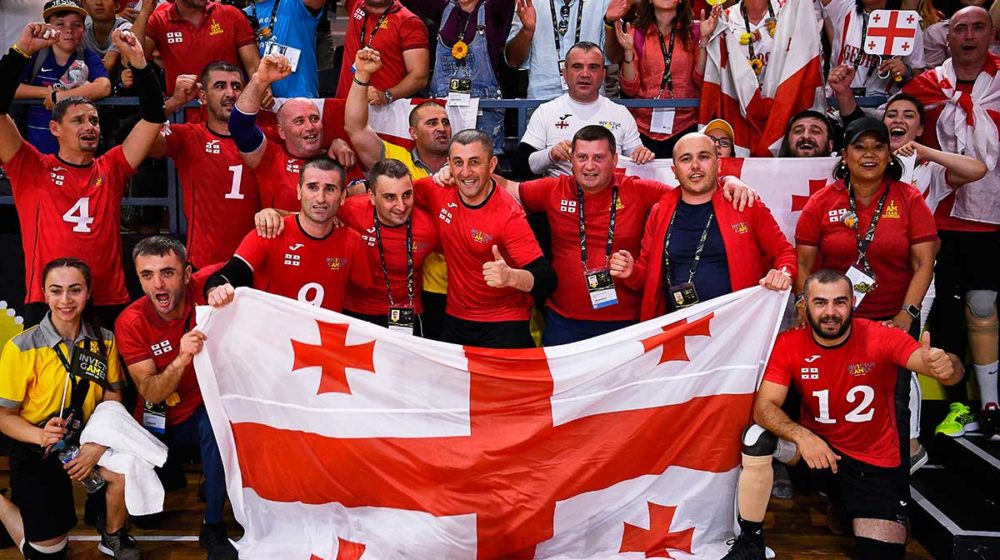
[409, 260]
[463, 21]
[611, 228]
[378, 25]
[746, 22]
[274, 18]
[668, 56]
[866, 242]
[555, 25]
[864, 33]
[697, 252]
[79, 387]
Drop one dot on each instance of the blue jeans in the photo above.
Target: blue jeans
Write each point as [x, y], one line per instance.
[197, 431]
[562, 330]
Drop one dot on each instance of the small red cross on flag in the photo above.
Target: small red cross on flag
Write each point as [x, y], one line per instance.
[892, 32]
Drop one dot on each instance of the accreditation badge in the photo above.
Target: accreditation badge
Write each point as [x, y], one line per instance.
[601, 287]
[683, 295]
[459, 92]
[662, 121]
[401, 320]
[562, 75]
[291, 53]
[863, 282]
[154, 417]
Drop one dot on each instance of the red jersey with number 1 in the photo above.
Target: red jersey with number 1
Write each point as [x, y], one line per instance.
[220, 192]
[359, 214]
[318, 271]
[278, 178]
[71, 210]
[847, 391]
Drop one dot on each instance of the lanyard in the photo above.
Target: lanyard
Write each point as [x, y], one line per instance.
[76, 384]
[378, 25]
[274, 16]
[556, 33]
[863, 244]
[409, 260]
[746, 22]
[697, 252]
[668, 56]
[463, 21]
[611, 228]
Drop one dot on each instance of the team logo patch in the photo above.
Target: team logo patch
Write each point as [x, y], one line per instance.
[619, 205]
[610, 125]
[567, 205]
[562, 123]
[335, 263]
[809, 373]
[293, 260]
[161, 348]
[370, 239]
[215, 29]
[891, 211]
[864, 368]
[292, 166]
[445, 215]
[212, 147]
[481, 236]
[359, 14]
[741, 228]
[835, 216]
[812, 358]
[175, 37]
[57, 179]
[295, 247]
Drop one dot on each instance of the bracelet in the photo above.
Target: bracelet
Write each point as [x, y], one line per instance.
[359, 82]
[17, 48]
[608, 23]
[628, 61]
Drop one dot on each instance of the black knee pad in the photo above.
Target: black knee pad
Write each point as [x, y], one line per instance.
[871, 549]
[32, 553]
[758, 442]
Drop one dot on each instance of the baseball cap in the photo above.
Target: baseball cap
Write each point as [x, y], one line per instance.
[53, 7]
[719, 124]
[865, 125]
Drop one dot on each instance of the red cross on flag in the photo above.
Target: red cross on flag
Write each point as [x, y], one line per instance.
[344, 440]
[892, 32]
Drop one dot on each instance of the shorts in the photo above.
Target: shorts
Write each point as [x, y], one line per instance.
[499, 334]
[870, 492]
[43, 492]
[964, 262]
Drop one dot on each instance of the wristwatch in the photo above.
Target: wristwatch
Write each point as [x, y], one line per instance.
[912, 311]
[388, 96]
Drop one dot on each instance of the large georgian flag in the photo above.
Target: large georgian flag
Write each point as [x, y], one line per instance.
[759, 113]
[342, 440]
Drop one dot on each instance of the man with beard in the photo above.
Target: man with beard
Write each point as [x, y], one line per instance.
[809, 134]
[158, 345]
[220, 195]
[845, 370]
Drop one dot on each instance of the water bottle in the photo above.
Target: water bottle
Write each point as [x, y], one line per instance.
[94, 481]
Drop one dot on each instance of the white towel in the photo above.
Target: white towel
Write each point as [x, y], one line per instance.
[132, 452]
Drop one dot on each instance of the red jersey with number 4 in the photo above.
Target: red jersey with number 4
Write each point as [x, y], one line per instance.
[558, 198]
[278, 178]
[299, 266]
[468, 234]
[847, 391]
[143, 335]
[71, 210]
[220, 192]
[359, 214]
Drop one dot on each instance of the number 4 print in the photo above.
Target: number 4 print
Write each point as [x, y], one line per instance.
[79, 214]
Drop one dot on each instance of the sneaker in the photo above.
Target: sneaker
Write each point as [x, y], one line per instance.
[781, 488]
[213, 539]
[745, 549]
[918, 459]
[119, 545]
[959, 420]
[990, 420]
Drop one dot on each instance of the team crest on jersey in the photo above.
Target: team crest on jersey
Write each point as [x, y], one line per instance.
[212, 147]
[359, 14]
[864, 368]
[57, 179]
[562, 123]
[891, 211]
[215, 29]
[370, 239]
[610, 125]
[481, 236]
[836, 216]
[741, 228]
[619, 205]
[293, 260]
[292, 166]
[445, 215]
[335, 263]
[161, 348]
[175, 37]
[809, 373]
[567, 205]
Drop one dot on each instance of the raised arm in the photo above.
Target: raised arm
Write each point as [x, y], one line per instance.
[368, 145]
[139, 142]
[517, 49]
[34, 37]
[155, 386]
[961, 169]
[248, 137]
[139, 26]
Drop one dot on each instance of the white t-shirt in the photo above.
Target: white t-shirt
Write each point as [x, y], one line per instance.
[562, 117]
[843, 16]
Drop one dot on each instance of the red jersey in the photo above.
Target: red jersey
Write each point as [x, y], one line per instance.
[299, 266]
[143, 335]
[558, 199]
[906, 220]
[847, 391]
[359, 214]
[397, 33]
[468, 234]
[71, 210]
[220, 192]
[278, 178]
[187, 49]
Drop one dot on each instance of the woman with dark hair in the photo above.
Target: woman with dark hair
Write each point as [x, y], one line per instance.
[662, 60]
[52, 376]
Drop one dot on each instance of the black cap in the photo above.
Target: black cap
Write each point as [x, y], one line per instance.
[53, 7]
[865, 125]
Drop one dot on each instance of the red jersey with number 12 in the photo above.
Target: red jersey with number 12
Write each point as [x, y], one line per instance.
[847, 390]
[71, 210]
[297, 265]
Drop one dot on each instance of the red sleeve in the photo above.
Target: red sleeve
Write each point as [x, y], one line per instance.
[154, 27]
[897, 344]
[426, 193]
[535, 194]
[777, 370]
[353, 211]
[413, 33]
[176, 140]
[116, 163]
[652, 191]
[253, 249]
[921, 226]
[26, 159]
[638, 278]
[131, 345]
[265, 184]
[809, 227]
[244, 34]
[519, 243]
[363, 268]
[772, 242]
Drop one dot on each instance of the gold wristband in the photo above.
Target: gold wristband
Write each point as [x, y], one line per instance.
[16, 48]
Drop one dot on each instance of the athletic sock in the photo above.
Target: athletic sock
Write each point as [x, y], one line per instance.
[986, 376]
[752, 530]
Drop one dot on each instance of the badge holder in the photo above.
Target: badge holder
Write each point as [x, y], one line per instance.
[154, 417]
[662, 121]
[291, 53]
[459, 92]
[601, 287]
[401, 320]
[863, 283]
[683, 295]
[562, 75]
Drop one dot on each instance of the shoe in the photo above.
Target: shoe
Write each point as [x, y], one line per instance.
[745, 549]
[990, 420]
[781, 488]
[918, 459]
[959, 420]
[213, 539]
[119, 545]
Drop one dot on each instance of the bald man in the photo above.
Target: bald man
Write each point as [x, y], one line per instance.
[712, 249]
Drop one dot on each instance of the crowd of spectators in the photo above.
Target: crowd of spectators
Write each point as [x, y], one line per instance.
[262, 171]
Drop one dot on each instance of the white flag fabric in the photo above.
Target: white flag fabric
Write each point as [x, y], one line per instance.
[342, 440]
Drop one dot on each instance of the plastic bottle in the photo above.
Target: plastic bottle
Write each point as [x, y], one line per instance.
[92, 483]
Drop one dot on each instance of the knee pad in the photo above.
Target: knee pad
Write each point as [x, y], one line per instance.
[758, 442]
[54, 552]
[871, 549]
[981, 303]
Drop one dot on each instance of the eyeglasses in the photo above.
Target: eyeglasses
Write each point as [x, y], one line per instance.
[722, 142]
[564, 22]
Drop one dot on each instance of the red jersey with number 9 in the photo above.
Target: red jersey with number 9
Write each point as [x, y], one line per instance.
[316, 271]
[71, 210]
[847, 390]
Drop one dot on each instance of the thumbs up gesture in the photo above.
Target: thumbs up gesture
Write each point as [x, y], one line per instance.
[941, 365]
[496, 272]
